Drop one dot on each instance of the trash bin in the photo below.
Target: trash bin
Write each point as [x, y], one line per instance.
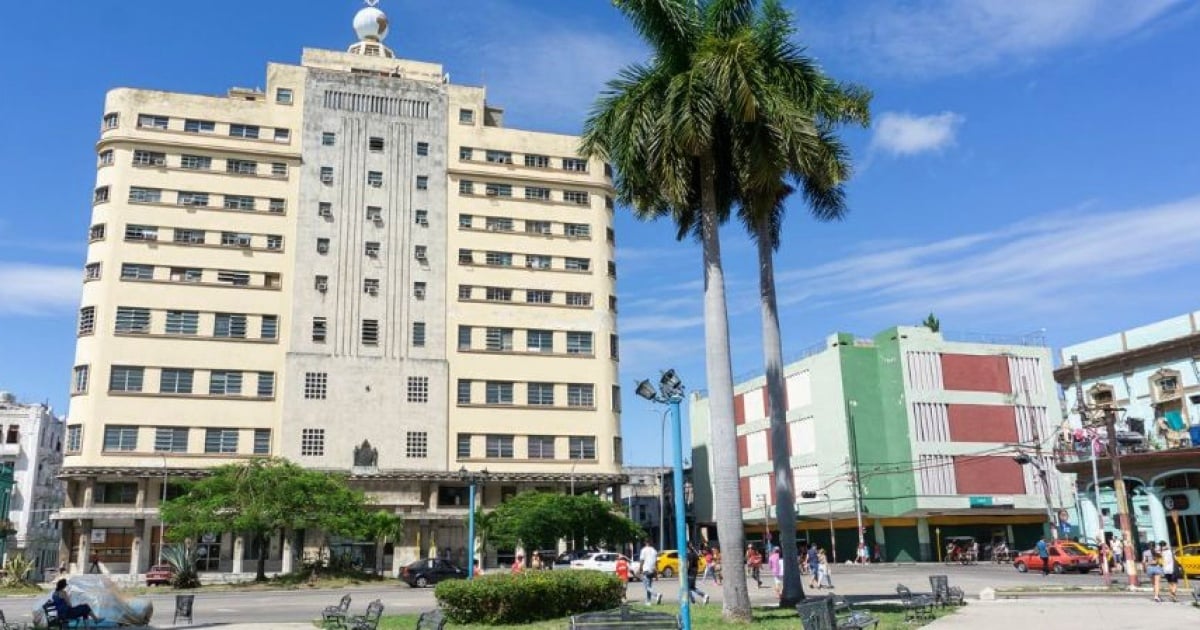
[1195, 431]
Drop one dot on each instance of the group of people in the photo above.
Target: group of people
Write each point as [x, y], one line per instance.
[1160, 564]
[812, 561]
[647, 564]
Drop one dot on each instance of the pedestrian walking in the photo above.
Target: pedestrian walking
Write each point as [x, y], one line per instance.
[878, 553]
[717, 564]
[622, 569]
[1118, 553]
[709, 569]
[1043, 551]
[95, 566]
[823, 570]
[693, 561]
[813, 566]
[754, 564]
[518, 563]
[775, 562]
[536, 563]
[1170, 571]
[649, 561]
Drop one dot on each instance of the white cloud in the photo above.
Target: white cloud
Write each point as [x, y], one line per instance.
[942, 37]
[908, 134]
[27, 289]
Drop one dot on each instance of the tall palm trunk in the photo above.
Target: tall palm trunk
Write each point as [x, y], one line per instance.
[785, 497]
[723, 431]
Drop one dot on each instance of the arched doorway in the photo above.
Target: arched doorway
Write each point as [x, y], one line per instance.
[1179, 491]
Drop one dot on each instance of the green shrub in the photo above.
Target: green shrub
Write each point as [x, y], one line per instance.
[528, 596]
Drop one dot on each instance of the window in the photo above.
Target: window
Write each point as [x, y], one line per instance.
[319, 329]
[500, 446]
[582, 447]
[283, 135]
[540, 394]
[220, 440]
[539, 340]
[537, 261]
[321, 283]
[87, 321]
[616, 400]
[107, 158]
[274, 242]
[614, 351]
[182, 322]
[279, 169]
[538, 296]
[229, 325]
[375, 178]
[199, 126]
[241, 167]
[466, 116]
[100, 195]
[188, 198]
[283, 96]
[326, 174]
[579, 342]
[243, 131]
[239, 202]
[74, 438]
[610, 236]
[581, 395]
[371, 286]
[418, 389]
[374, 214]
[277, 205]
[418, 334]
[498, 157]
[175, 381]
[498, 259]
[111, 121]
[464, 445]
[96, 232]
[422, 149]
[464, 391]
[132, 320]
[235, 278]
[126, 378]
[612, 269]
[328, 138]
[537, 193]
[577, 264]
[325, 210]
[577, 197]
[498, 190]
[421, 253]
[465, 291]
[466, 257]
[152, 121]
[537, 161]
[419, 290]
[322, 246]
[195, 162]
[141, 233]
[266, 385]
[120, 438]
[612, 303]
[186, 274]
[370, 332]
[91, 271]
[466, 187]
[464, 337]
[499, 393]
[117, 493]
[465, 221]
[371, 248]
[541, 447]
[499, 339]
[608, 203]
[130, 271]
[312, 442]
[235, 239]
[316, 385]
[499, 294]
[575, 164]
[417, 444]
[537, 227]
[466, 153]
[149, 158]
[577, 230]
[79, 380]
[145, 195]
[262, 441]
[499, 224]
[225, 383]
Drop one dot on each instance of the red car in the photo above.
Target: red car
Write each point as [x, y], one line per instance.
[160, 574]
[1062, 558]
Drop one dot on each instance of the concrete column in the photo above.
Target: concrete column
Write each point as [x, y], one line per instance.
[64, 545]
[928, 554]
[89, 492]
[1158, 516]
[85, 545]
[433, 497]
[289, 559]
[239, 552]
[136, 547]
[880, 539]
[140, 501]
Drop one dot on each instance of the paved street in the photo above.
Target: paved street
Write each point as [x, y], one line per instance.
[1126, 613]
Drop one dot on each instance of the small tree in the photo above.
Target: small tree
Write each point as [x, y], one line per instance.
[932, 323]
[539, 519]
[261, 496]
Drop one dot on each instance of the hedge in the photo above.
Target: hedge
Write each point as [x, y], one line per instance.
[528, 596]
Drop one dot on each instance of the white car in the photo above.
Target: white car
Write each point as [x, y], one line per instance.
[604, 561]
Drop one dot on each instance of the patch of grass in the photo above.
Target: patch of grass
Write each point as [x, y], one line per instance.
[891, 617]
[21, 591]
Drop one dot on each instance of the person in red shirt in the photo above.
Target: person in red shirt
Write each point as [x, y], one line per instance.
[518, 563]
[623, 569]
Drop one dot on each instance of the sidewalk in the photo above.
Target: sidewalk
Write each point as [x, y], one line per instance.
[1126, 613]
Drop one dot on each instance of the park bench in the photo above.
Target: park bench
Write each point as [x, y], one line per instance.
[817, 614]
[183, 608]
[431, 620]
[50, 613]
[368, 621]
[850, 619]
[337, 613]
[623, 617]
[943, 593]
[916, 607]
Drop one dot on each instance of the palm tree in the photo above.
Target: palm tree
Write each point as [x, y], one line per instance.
[932, 323]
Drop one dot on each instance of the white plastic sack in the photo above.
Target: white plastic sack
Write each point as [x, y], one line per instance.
[106, 601]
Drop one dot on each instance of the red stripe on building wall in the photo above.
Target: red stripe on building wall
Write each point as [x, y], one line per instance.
[743, 452]
[973, 373]
[739, 409]
[982, 423]
[770, 451]
[744, 491]
[766, 402]
[988, 475]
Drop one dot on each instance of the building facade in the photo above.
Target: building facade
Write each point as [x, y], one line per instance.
[922, 431]
[33, 452]
[359, 269]
[1148, 379]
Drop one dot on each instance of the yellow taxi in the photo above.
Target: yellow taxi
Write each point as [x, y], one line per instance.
[1083, 549]
[668, 564]
[1189, 558]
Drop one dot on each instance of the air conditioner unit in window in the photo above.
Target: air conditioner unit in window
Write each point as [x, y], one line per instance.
[322, 286]
[422, 257]
[322, 249]
[373, 253]
[419, 294]
[372, 291]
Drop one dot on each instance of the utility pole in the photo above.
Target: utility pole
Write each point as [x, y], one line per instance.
[855, 477]
[1040, 465]
[1084, 421]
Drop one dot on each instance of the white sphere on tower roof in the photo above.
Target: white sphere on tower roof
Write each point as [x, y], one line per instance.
[371, 23]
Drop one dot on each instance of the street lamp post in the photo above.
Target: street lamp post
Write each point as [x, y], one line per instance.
[811, 494]
[856, 486]
[766, 520]
[472, 478]
[670, 393]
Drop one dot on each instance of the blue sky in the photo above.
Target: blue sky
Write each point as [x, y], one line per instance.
[1032, 164]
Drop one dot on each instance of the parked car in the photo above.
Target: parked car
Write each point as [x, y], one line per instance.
[564, 559]
[1189, 558]
[668, 564]
[424, 573]
[1062, 558]
[160, 574]
[605, 561]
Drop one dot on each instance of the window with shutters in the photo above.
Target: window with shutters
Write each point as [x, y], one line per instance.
[375, 144]
[463, 447]
[499, 339]
[418, 334]
[539, 296]
[579, 299]
[312, 442]
[120, 438]
[225, 383]
[175, 381]
[74, 438]
[579, 342]
[500, 446]
[540, 394]
[125, 378]
[422, 149]
[319, 329]
[170, 440]
[541, 447]
[499, 393]
[220, 440]
[499, 294]
[464, 391]
[270, 327]
[182, 322]
[266, 385]
[539, 340]
[87, 321]
[229, 325]
[577, 230]
[581, 447]
[370, 332]
[328, 139]
[371, 286]
[581, 395]
[262, 441]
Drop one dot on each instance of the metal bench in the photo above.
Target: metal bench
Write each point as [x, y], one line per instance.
[623, 617]
[431, 620]
[850, 619]
[916, 607]
[368, 621]
[817, 614]
[336, 614]
[943, 593]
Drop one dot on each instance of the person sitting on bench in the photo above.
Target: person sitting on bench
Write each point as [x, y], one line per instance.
[62, 604]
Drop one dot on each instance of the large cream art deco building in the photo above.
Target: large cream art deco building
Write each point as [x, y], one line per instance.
[360, 269]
